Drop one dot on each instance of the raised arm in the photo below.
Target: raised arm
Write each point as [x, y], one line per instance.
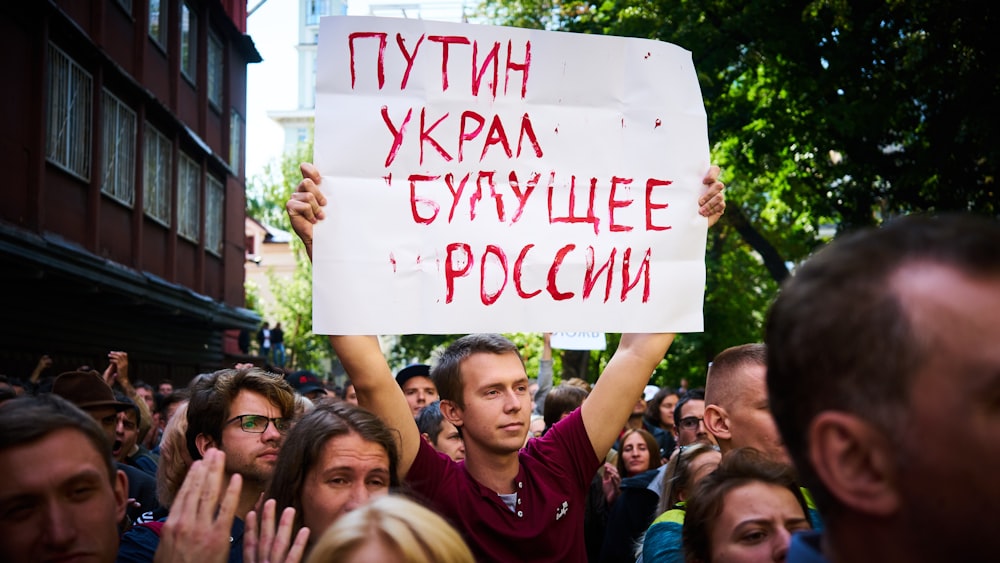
[361, 355]
[619, 387]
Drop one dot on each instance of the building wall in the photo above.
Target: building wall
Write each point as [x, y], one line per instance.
[61, 232]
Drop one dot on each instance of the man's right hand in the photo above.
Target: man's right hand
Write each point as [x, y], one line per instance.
[305, 208]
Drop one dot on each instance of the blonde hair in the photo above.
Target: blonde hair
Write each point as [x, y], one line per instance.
[174, 458]
[417, 534]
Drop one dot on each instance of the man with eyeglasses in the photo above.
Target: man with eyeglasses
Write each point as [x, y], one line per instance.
[245, 414]
[689, 419]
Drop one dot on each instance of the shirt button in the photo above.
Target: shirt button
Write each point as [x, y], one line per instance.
[519, 514]
[518, 501]
[520, 485]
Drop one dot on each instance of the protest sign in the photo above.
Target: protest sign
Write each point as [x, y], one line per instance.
[485, 178]
[578, 341]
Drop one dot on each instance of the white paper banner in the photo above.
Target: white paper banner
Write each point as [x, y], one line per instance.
[496, 179]
[578, 341]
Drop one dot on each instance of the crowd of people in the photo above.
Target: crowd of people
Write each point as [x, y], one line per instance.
[863, 428]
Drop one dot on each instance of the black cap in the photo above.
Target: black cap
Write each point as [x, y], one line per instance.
[304, 382]
[411, 371]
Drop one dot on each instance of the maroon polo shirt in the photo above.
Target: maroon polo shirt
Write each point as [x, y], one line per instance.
[552, 483]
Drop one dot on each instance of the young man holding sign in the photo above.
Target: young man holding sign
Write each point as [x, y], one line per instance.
[511, 503]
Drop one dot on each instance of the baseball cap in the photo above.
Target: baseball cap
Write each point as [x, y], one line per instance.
[304, 381]
[411, 371]
[87, 390]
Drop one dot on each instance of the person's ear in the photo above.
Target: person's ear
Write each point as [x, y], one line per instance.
[119, 488]
[855, 461]
[717, 422]
[451, 412]
[204, 443]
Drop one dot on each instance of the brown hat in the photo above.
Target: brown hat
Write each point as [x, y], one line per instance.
[87, 390]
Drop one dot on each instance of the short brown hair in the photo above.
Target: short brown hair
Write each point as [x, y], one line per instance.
[446, 373]
[211, 395]
[30, 418]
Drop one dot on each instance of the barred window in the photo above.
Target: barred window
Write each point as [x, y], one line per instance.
[215, 215]
[189, 198]
[158, 22]
[235, 141]
[157, 177]
[189, 43]
[119, 150]
[215, 74]
[68, 136]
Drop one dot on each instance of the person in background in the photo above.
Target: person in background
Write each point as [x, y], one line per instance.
[639, 454]
[166, 387]
[244, 413]
[391, 528]
[663, 542]
[307, 384]
[660, 413]
[420, 391]
[349, 394]
[746, 510]
[88, 391]
[336, 459]
[264, 341]
[635, 508]
[278, 345]
[440, 433]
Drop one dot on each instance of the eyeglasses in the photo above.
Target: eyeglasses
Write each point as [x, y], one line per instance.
[258, 423]
[691, 422]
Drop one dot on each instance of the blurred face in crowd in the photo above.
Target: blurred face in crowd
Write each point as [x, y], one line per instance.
[449, 441]
[147, 395]
[667, 410]
[350, 471]
[420, 391]
[350, 395]
[692, 427]
[756, 524]
[750, 421]
[635, 452]
[107, 417]
[57, 501]
[165, 389]
[126, 434]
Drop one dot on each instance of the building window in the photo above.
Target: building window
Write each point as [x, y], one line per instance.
[235, 141]
[189, 43]
[157, 175]
[158, 23]
[215, 71]
[215, 216]
[188, 199]
[119, 150]
[315, 10]
[70, 105]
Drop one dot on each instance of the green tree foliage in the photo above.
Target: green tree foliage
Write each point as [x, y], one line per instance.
[293, 298]
[821, 112]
